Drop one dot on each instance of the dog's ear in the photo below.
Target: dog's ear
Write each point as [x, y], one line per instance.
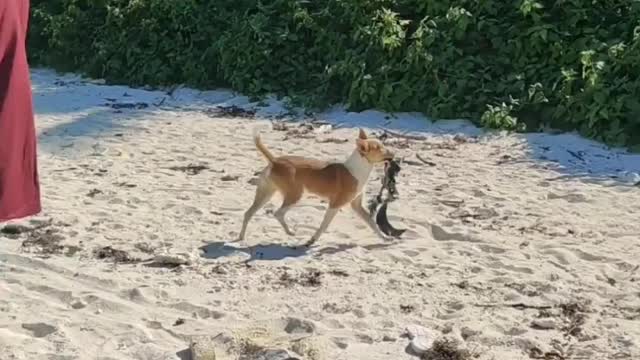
[363, 146]
[362, 135]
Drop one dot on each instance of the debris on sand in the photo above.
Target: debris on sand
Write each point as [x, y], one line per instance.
[536, 353]
[421, 338]
[232, 111]
[259, 353]
[94, 192]
[455, 203]
[190, 169]
[543, 324]
[338, 273]
[145, 247]
[119, 106]
[311, 278]
[575, 317]
[279, 126]
[170, 260]
[446, 349]
[332, 140]
[118, 256]
[230, 178]
[125, 185]
[44, 241]
[478, 213]
[425, 161]
[13, 231]
[407, 309]
[306, 130]
[302, 131]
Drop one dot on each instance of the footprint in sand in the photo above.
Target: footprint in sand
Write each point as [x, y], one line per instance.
[561, 255]
[341, 343]
[411, 253]
[192, 210]
[491, 249]
[518, 269]
[60, 295]
[40, 330]
[583, 255]
[442, 235]
[566, 256]
[571, 198]
[299, 326]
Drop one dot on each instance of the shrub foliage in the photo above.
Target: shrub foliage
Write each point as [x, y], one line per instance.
[512, 64]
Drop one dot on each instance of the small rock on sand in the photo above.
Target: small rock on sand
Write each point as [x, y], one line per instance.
[388, 338]
[172, 259]
[467, 332]
[78, 304]
[298, 326]
[341, 343]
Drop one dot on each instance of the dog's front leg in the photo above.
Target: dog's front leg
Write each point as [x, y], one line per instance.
[328, 217]
[356, 205]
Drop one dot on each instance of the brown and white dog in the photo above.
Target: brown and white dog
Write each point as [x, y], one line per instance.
[339, 183]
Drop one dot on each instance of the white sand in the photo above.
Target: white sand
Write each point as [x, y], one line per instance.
[507, 219]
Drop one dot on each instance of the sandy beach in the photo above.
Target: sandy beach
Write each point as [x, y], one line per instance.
[518, 246]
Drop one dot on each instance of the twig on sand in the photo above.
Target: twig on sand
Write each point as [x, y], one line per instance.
[411, 162]
[161, 102]
[332, 140]
[191, 169]
[430, 163]
[403, 136]
[519, 306]
[320, 122]
[576, 155]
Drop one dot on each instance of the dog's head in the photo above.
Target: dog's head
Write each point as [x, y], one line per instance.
[373, 149]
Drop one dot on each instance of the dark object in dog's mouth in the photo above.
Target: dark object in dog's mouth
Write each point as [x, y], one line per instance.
[378, 206]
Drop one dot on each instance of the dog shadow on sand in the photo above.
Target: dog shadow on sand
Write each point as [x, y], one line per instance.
[276, 252]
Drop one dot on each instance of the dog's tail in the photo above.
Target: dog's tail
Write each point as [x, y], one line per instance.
[263, 149]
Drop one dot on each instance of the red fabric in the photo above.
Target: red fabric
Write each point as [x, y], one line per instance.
[19, 188]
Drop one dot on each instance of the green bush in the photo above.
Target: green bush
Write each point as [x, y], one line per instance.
[520, 65]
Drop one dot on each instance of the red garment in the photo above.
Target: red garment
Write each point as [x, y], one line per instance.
[19, 188]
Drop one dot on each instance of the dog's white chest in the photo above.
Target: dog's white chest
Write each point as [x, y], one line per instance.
[360, 169]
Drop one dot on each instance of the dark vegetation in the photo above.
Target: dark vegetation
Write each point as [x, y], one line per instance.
[519, 65]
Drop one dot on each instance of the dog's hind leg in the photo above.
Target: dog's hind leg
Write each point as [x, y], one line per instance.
[264, 193]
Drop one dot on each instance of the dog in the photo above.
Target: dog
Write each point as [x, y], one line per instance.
[339, 183]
